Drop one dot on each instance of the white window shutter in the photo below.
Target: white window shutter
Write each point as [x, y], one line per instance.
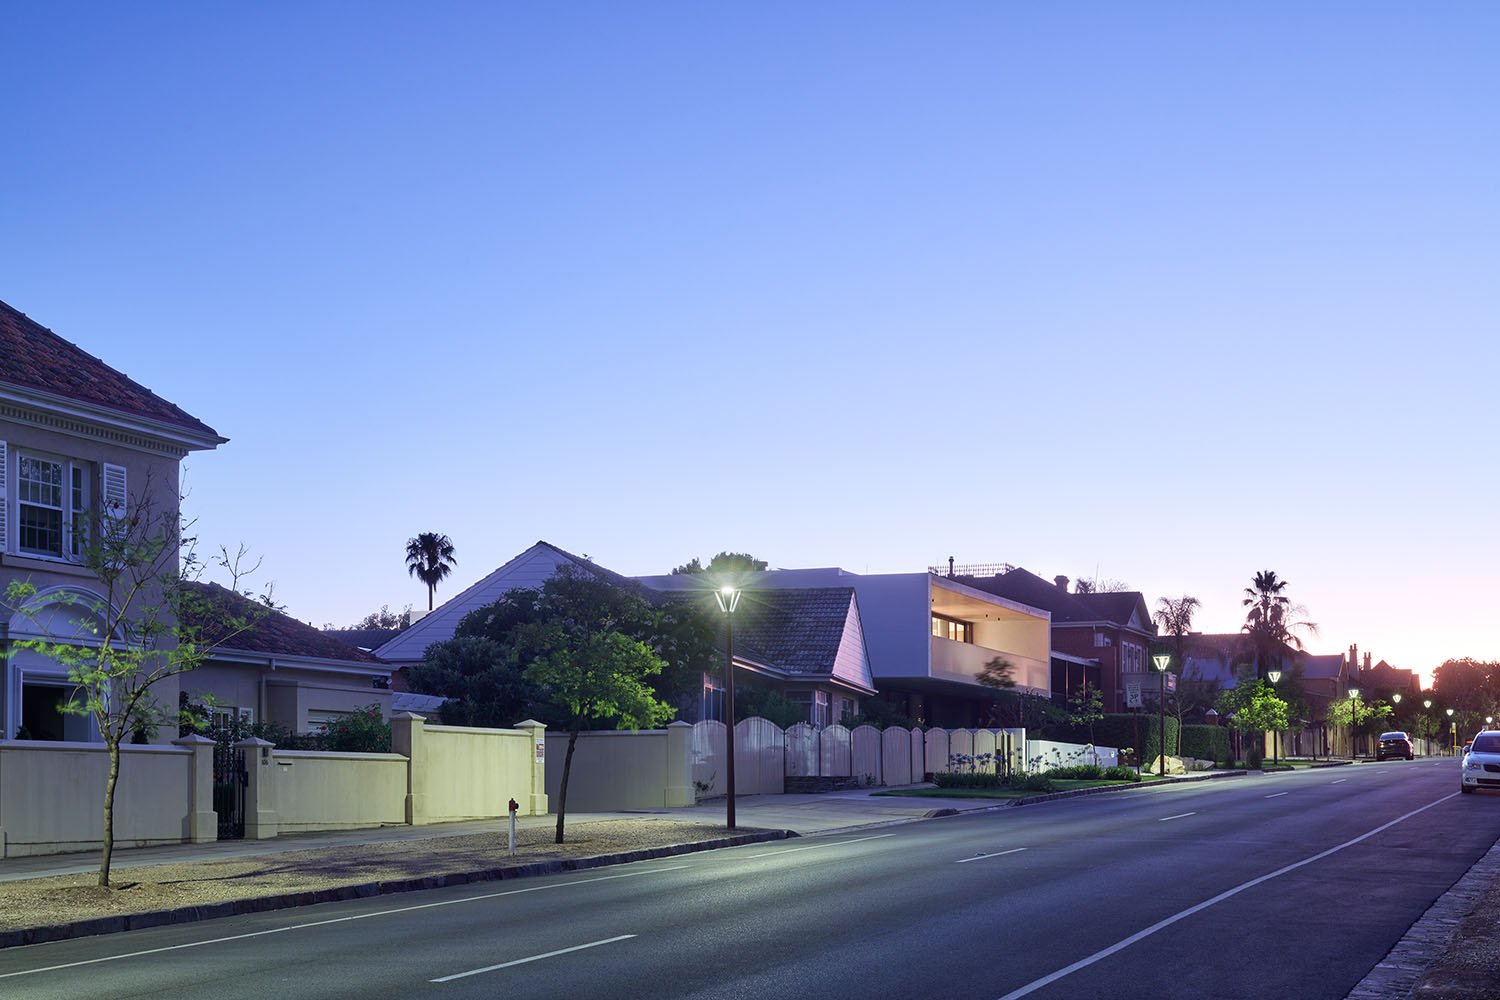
[4, 501]
[114, 491]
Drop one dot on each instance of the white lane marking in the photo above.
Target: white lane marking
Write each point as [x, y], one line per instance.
[1118, 946]
[1274, 794]
[982, 857]
[816, 847]
[1178, 816]
[1339, 781]
[533, 958]
[336, 920]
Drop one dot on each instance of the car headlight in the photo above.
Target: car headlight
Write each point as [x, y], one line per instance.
[1472, 765]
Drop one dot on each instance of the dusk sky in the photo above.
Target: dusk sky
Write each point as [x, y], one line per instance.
[1164, 293]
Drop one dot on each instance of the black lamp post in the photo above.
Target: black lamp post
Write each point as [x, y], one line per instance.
[729, 598]
[1427, 725]
[1453, 731]
[1353, 698]
[1273, 676]
[1160, 661]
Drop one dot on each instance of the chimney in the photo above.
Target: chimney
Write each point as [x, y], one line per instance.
[950, 567]
[1062, 583]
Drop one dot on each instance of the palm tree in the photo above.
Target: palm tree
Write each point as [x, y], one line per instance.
[1175, 617]
[429, 558]
[1269, 621]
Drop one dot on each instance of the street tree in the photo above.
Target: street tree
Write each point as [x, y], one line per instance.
[589, 670]
[1252, 706]
[1359, 715]
[143, 625]
[429, 558]
[483, 683]
[1085, 710]
[733, 565]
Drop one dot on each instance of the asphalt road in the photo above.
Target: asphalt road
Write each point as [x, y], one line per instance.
[1286, 885]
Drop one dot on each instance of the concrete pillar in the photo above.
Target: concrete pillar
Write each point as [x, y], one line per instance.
[261, 821]
[536, 804]
[407, 733]
[679, 791]
[203, 822]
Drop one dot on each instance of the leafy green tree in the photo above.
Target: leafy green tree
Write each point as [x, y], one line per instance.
[1252, 706]
[1086, 709]
[430, 558]
[483, 684]
[1361, 716]
[581, 663]
[732, 565]
[144, 625]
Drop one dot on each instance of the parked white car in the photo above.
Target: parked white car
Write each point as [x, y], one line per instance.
[1482, 763]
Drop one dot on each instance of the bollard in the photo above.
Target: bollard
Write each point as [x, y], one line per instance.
[513, 808]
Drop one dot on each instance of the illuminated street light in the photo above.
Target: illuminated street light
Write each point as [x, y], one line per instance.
[1160, 661]
[1353, 697]
[1452, 731]
[1273, 676]
[729, 598]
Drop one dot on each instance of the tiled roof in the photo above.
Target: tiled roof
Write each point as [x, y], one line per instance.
[33, 357]
[794, 631]
[362, 638]
[272, 632]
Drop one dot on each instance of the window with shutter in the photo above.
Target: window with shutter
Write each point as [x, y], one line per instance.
[114, 490]
[4, 499]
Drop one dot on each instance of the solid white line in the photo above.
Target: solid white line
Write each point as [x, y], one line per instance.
[1178, 816]
[533, 958]
[982, 857]
[1339, 781]
[1274, 794]
[335, 920]
[815, 847]
[1118, 946]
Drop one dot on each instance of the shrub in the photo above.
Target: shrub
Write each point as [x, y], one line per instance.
[1205, 742]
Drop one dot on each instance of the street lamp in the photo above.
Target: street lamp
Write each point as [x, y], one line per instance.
[1160, 661]
[1353, 697]
[1273, 676]
[729, 598]
[1452, 731]
[1427, 722]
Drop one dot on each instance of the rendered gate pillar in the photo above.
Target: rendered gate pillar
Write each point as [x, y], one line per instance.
[679, 791]
[203, 822]
[537, 800]
[408, 731]
[260, 788]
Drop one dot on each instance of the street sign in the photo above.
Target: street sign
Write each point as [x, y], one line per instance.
[1133, 694]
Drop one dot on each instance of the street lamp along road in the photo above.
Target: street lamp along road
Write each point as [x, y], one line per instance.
[1273, 676]
[728, 598]
[1160, 661]
[1453, 731]
[1353, 697]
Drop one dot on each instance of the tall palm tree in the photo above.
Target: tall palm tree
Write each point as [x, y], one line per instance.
[1269, 622]
[429, 558]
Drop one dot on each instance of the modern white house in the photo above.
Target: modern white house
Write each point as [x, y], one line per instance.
[927, 637]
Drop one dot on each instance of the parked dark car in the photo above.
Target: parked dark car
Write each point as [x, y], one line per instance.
[1395, 744]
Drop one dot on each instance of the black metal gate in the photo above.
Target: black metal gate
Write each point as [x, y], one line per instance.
[229, 784]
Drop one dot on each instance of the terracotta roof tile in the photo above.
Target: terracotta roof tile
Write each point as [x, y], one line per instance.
[272, 633]
[33, 357]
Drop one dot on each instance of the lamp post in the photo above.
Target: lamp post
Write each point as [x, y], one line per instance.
[1427, 721]
[1452, 731]
[1353, 699]
[1160, 661]
[729, 598]
[1273, 676]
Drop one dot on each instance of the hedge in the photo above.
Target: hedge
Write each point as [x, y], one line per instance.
[1119, 730]
[1205, 742]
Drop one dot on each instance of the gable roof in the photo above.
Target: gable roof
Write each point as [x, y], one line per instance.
[271, 632]
[32, 357]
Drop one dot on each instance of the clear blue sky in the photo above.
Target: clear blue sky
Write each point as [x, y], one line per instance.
[1166, 292]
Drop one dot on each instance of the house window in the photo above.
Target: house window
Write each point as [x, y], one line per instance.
[821, 709]
[713, 700]
[51, 497]
[952, 628]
